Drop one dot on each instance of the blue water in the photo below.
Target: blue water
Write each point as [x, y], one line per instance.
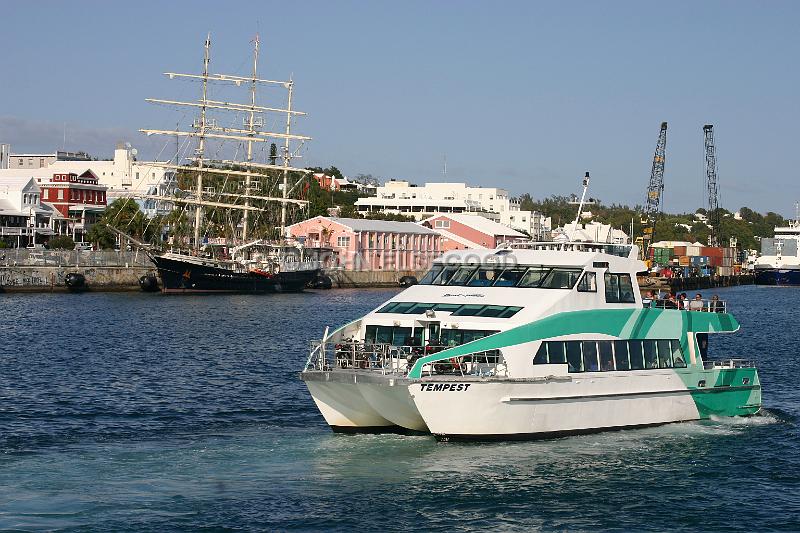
[134, 412]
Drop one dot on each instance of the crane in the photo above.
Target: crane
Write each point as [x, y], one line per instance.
[654, 190]
[711, 183]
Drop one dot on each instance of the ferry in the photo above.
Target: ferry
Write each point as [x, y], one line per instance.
[530, 340]
[779, 262]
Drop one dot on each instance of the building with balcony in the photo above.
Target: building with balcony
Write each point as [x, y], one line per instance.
[24, 219]
[361, 244]
[123, 176]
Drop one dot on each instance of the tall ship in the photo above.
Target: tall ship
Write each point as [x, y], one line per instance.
[230, 249]
[530, 340]
[779, 262]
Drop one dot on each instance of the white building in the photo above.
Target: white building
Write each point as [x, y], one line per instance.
[23, 215]
[123, 175]
[402, 197]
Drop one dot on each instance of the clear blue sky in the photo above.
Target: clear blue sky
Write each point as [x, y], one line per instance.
[523, 95]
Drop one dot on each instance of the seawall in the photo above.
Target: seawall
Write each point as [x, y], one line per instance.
[51, 278]
[370, 278]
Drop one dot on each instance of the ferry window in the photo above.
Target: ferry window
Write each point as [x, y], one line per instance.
[444, 276]
[555, 352]
[509, 277]
[619, 288]
[417, 309]
[621, 355]
[369, 335]
[678, 360]
[401, 336]
[541, 355]
[574, 356]
[401, 307]
[388, 307]
[637, 355]
[492, 310]
[446, 308]
[650, 357]
[468, 310]
[588, 282]
[606, 353]
[590, 356]
[428, 278]
[485, 277]
[509, 312]
[461, 277]
[560, 278]
[664, 354]
[533, 277]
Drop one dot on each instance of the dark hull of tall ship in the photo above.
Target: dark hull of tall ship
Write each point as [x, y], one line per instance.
[777, 276]
[185, 277]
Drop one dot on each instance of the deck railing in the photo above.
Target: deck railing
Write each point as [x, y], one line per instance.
[389, 359]
[708, 306]
[728, 363]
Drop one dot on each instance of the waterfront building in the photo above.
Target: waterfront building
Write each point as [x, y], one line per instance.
[402, 197]
[461, 232]
[362, 244]
[123, 175]
[77, 199]
[24, 219]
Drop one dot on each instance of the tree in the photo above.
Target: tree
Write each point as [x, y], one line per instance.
[61, 242]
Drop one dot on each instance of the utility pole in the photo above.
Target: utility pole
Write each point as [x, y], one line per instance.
[711, 184]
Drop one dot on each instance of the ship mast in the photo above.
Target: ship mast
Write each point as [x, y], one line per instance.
[198, 214]
[286, 157]
[206, 128]
[251, 124]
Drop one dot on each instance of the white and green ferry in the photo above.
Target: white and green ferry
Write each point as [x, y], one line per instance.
[536, 340]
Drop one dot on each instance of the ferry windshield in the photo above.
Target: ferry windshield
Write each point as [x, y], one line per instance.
[492, 276]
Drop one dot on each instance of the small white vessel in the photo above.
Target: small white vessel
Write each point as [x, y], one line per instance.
[528, 341]
[779, 262]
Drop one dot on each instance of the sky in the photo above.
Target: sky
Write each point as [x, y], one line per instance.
[521, 95]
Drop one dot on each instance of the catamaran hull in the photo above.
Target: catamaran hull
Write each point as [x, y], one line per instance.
[183, 277]
[357, 401]
[531, 410]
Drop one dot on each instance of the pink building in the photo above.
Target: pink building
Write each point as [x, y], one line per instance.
[462, 232]
[361, 244]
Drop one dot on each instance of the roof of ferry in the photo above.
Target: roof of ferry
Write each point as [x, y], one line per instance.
[577, 258]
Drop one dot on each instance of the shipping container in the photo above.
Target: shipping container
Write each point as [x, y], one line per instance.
[683, 260]
[729, 252]
[693, 251]
[711, 251]
[725, 271]
[715, 261]
[727, 261]
[680, 250]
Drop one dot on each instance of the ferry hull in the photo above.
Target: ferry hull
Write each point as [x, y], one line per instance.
[777, 276]
[181, 277]
[534, 410]
[345, 409]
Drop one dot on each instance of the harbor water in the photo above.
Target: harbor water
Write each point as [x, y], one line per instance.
[140, 412]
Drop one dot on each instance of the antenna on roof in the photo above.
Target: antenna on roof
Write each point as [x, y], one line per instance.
[583, 197]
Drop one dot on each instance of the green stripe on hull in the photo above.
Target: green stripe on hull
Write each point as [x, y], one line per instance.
[727, 391]
[621, 323]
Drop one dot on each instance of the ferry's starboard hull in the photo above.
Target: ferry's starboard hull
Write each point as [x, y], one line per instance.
[183, 277]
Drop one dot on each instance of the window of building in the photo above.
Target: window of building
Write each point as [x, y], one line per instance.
[441, 224]
[41, 163]
[343, 242]
[619, 288]
[60, 194]
[588, 282]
